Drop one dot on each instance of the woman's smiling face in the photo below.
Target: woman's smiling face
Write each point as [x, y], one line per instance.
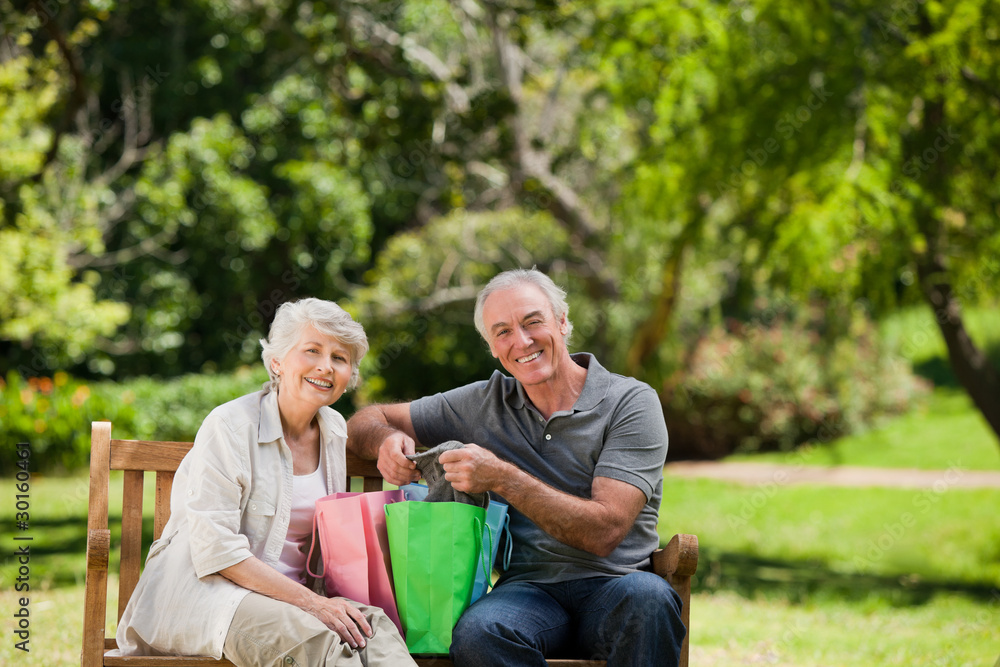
[316, 370]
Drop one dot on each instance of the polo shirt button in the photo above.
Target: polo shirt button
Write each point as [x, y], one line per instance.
[548, 436]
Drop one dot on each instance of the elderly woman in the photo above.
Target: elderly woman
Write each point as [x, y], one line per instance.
[228, 577]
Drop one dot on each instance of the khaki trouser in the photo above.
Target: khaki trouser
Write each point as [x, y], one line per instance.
[268, 632]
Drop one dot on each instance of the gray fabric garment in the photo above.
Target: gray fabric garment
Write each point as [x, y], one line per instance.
[440, 489]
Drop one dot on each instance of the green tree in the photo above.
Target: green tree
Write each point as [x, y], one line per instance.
[182, 171]
[46, 216]
[839, 152]
[176, 173]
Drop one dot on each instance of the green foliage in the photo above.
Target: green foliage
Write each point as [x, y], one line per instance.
[913, 334]
[912, 440]
[177, 173]
[54, 414]
[776, 383]
[419, 306]
[42, 297]
[174, 409]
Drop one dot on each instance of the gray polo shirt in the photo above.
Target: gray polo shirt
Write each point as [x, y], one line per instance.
[615, 430]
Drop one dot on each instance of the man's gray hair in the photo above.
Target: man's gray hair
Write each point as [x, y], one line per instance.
[328, 318]
[516, 278]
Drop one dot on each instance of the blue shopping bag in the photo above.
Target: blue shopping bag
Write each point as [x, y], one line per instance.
[496, 529]
[414, 491]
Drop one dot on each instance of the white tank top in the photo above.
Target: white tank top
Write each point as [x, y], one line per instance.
[306, 490]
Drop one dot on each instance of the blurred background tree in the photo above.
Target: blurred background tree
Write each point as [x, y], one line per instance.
[734, 193]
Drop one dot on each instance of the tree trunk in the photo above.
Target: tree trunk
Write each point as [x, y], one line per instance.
[973, 369]
[652, 331]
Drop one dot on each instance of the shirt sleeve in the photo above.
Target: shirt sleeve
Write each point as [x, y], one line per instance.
[448, 416]
[217, 480]
[635, 449]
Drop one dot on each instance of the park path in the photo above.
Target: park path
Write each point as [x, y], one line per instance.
[906, 478]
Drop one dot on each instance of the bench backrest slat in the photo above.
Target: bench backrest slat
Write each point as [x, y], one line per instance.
[131, 546]
[136, 457]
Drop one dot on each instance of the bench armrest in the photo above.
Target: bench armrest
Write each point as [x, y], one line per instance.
[678, 558]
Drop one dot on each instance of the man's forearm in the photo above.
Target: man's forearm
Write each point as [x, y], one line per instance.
[366, 431]
[581, 523]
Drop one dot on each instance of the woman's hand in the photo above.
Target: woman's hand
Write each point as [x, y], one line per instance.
[343, 618]
[338, 614]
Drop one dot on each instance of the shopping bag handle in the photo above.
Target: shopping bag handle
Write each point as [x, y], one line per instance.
[484, 559]
[509, 542]
[312, 544]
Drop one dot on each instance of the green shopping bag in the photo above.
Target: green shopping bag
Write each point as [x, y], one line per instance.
[435, 549]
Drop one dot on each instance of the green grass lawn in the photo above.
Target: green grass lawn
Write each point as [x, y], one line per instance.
[819, 576]
[789, 575]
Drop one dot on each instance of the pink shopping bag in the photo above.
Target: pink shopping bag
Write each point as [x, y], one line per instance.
[355, 548]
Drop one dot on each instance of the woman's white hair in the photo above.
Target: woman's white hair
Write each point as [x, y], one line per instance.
[516, 278]
[328, 318]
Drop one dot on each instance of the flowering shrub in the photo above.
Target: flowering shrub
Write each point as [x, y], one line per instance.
[781, 385]
[53, 414]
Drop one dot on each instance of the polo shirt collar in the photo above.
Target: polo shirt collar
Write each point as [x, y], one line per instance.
[270, 420]
[595, 387]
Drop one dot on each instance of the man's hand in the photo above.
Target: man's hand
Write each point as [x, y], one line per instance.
[472, 469]
[392, 461]
[597, 524]
[385, 433]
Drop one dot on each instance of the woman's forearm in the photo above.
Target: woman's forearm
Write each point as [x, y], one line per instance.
[254, 575]
[336, 613]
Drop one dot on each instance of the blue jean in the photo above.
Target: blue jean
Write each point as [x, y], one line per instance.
[633, 621]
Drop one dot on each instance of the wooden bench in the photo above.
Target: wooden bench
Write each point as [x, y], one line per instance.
[676, 562]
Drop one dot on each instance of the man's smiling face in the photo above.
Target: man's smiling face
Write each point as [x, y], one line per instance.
[524, 334]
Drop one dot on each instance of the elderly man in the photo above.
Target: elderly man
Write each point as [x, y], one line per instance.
[577, 452]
